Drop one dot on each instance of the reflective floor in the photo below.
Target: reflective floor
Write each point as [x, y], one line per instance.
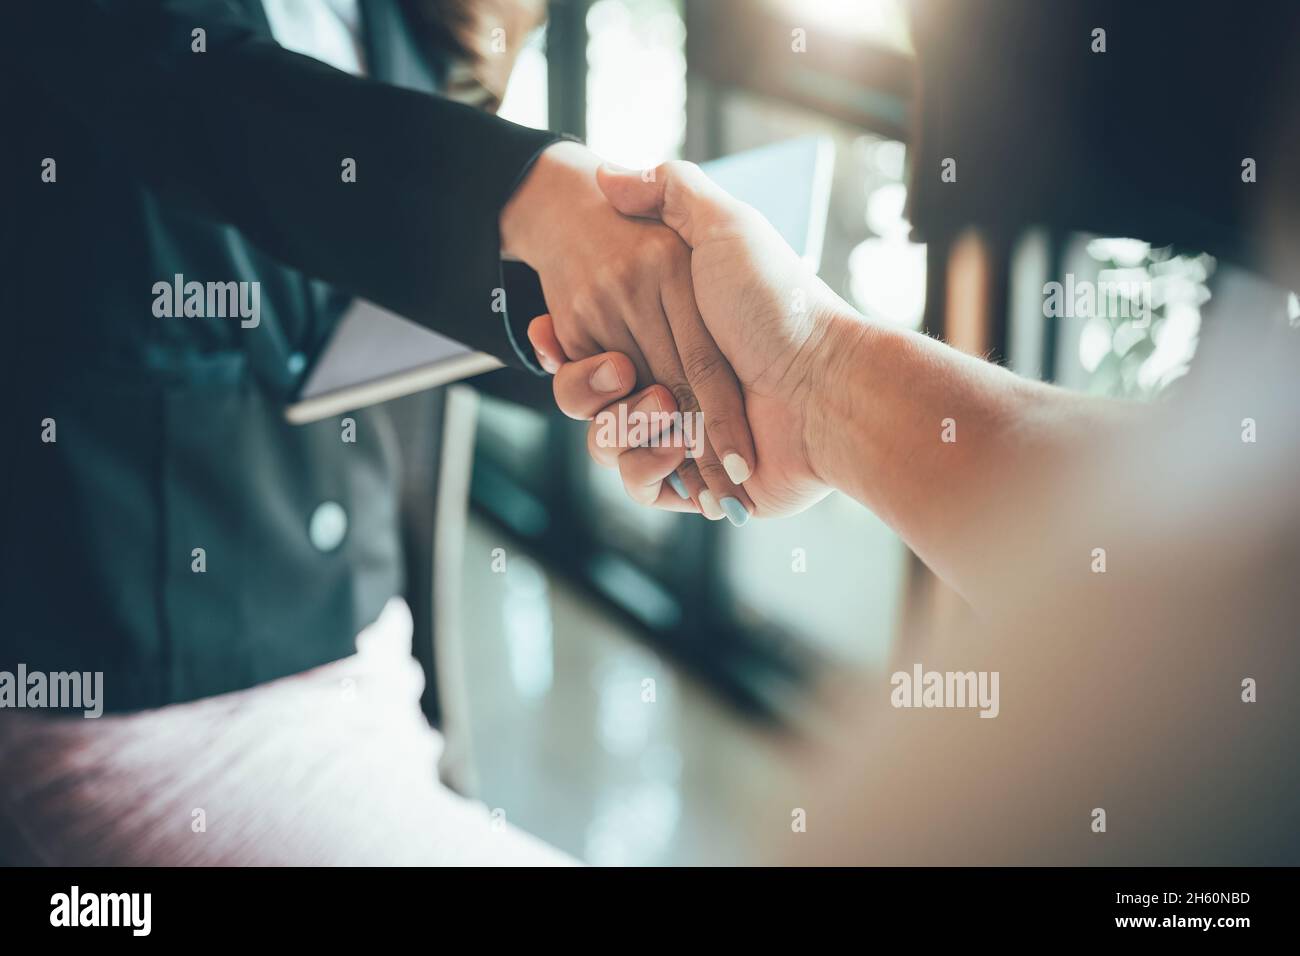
[585, 737]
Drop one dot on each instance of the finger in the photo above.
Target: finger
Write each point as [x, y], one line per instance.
[572, 334]
[705, 480]
[584, 387]
[541, 334]
[639, 421]
[701, 477]
[670, 500]
[702, 474]
[614, 335]
[679, 194]
[654, 341]
[711, 378]
[697, 491]
[717, 495]
[643, 471]
[621, 340]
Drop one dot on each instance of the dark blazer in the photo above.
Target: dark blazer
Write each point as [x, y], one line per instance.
[221, 166]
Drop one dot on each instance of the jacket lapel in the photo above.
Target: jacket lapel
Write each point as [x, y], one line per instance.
[391, 51]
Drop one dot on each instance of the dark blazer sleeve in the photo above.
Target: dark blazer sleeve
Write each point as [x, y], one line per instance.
[255, 136]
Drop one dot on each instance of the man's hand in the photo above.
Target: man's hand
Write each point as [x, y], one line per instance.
[624, 285]
[837, 401]
[767, 312]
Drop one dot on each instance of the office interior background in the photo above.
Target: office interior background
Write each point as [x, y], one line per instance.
[622, 681]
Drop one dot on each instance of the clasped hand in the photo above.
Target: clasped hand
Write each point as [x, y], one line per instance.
[697, 306]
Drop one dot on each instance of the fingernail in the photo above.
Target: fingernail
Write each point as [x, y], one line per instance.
[548, 363]
[735, 468]
[605, 378]
[736, 512]
[649, 405]
[709, 505]
[642, 416]
[679, 486]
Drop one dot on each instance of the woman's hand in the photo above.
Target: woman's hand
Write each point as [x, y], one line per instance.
[624, 285]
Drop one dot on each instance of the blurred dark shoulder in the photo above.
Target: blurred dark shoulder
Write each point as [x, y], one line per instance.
[480, 38]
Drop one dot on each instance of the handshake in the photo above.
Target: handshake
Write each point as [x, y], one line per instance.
[667, 296]
[673, 303]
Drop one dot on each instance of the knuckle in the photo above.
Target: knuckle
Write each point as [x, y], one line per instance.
[718, 426]
[576, 347]
[616, 273]
[683, 397]
[711, 471]
[583, 302]
[702, 364]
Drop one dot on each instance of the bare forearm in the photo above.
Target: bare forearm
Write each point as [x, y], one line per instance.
[927, 437]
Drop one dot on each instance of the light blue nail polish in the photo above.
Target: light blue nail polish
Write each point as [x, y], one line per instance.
[735, 511]
[678, 486]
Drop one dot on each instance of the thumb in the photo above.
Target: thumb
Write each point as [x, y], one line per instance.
[670, 192]
[633, 192]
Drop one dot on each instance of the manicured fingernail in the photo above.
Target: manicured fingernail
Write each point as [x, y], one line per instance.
[548, 363]
[605, 378]
[735, 468]
[679, 486]
[709, 505]
[736, 512]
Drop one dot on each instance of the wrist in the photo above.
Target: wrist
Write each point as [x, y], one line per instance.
[543, 199]
[848, 345]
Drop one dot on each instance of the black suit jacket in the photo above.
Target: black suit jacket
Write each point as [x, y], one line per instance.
[222, 165]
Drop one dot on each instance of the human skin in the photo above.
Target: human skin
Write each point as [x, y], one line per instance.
[918, 432]
[1123, 687]
[622, 284]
